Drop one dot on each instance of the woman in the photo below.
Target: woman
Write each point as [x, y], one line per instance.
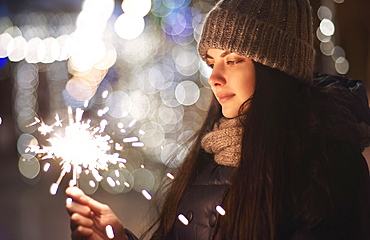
[279, 152]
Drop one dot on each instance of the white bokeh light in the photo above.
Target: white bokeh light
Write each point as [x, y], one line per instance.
[327, 27]
[20, 49]
[187, 93]
[129, 26]
[6, 44]
[136, 7]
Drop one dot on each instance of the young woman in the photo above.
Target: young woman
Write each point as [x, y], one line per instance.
[279, 151]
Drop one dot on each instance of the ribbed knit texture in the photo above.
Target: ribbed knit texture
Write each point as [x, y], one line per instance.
[276, 33]
[225, 142]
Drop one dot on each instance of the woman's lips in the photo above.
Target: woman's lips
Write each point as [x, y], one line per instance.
[223, 97]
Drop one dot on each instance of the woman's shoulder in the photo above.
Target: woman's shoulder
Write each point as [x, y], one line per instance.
[342, 109]
[351, 91]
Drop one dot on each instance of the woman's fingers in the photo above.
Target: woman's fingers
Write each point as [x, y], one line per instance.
[97, 207]
[77, 195]
[80, 220]
[81, 199]
[81, 233]
[76, 207]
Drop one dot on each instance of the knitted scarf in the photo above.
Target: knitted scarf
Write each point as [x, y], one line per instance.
[225, 142]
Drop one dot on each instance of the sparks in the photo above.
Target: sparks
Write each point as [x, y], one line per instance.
[109, 231]
[79, 146]
[170, 176]
[220, 210]
[146, 194]
[183, 219]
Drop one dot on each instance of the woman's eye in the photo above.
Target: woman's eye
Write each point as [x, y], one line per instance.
[233, 62]
[210, 65]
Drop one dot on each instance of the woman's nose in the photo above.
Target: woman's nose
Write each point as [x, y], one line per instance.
[217, 77]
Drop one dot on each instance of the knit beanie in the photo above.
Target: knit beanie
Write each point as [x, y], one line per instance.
[276, 33]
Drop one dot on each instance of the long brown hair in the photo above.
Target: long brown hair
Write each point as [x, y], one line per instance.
[267, 189]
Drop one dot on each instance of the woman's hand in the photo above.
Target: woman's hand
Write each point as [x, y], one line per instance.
[92, 220]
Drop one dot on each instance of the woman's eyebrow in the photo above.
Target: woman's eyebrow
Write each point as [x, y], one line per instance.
[224, 54]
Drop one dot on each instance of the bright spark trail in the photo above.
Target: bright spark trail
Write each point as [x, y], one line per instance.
[79, 147]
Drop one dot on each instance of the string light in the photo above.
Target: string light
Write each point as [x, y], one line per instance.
[325, 33]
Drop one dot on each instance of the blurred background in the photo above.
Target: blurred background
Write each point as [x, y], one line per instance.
[133, 68]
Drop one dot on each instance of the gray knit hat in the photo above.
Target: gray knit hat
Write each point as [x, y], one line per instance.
[276, 33]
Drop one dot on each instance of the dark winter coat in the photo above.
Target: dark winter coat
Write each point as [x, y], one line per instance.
[348, 176]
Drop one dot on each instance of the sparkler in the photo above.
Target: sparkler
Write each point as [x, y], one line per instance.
[79, 147]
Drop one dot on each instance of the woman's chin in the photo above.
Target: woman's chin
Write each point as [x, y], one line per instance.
[229, 114]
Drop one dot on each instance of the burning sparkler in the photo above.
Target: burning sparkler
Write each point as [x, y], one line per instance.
[79, 146]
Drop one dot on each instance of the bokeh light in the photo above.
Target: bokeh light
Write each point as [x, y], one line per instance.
[327, 27]
[325, 33]
[129, 26]
[137, 67]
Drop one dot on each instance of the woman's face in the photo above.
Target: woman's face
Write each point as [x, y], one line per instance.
[232, 79]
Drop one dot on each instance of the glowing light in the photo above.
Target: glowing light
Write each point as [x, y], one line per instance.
[170, 176]
[78, 145]
[105, 94]
[129, 26]
[130, 139]
[136, 7]
[138, 144]
[109, 58]
[65, 42]
[338, 52]
[220, 210]
[187, 93]
[327, 27]
[1, 120]
[120, 125]
[183, 219]
[47, 167]
[87, 51]
[342, 65]
[92, 183]
[36, 50]
[132, 123]
[101, 112]
[118, 147]
[6, 45]
[79, 89]
[146, 194]
[204, 101]
[29, 166]
[324, 12]
[52, 48]
[321, 36]
[109, 231]
[54, 188]
[20, 49]
[119, 104]
[69, 201]
[98, 10]
[327, 48]
[144, 179]
[111, 182]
